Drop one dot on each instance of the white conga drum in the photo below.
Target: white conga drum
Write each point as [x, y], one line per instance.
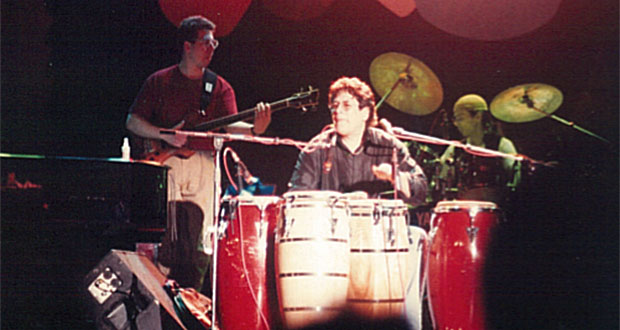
[418, 247]
[312, 257]
[379, 271]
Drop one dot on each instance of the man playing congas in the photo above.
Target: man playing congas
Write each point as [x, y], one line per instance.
[352, 155]
[360, 156]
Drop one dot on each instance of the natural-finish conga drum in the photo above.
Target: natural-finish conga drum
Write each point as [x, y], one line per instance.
[379, 253]
[461, 232]
[312, 257]
[246, 289]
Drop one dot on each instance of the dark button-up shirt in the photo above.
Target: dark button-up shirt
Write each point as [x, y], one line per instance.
[334, 167]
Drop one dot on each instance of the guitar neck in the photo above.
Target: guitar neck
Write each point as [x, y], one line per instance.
[226, 120]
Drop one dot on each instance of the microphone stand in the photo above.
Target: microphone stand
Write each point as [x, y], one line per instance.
[218, 143]
[478, 151]
[395, 176]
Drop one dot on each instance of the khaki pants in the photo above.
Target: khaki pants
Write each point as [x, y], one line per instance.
[186, 247]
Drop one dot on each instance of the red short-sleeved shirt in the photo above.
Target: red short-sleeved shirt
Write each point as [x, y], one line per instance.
[167, 97]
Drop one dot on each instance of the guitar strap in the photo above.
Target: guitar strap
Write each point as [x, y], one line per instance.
[209, 79]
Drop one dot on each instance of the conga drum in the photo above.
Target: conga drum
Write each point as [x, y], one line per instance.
[461, 232]
[379, 271]
[312, 257]
[246, 290]
[418, 248]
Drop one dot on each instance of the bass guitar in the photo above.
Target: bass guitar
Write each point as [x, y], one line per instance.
[158, 151]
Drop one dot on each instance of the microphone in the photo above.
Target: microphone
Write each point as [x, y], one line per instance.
[398, 130]
[387, 126]
[327, 164]
[242, 169]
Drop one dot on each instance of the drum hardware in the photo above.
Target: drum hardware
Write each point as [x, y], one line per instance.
[334, 222]
[288, 224]
[407, 218]
[228, 215]
[472, 212]
[471, 233]
[376, 213]
[391, 236]
[334, 219]
[261, 226]
[262, 223]
[433, 224]
[405, 83]
[529, 102]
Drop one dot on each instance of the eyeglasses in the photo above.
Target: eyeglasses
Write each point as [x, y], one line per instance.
[209, 42]
[346, 106]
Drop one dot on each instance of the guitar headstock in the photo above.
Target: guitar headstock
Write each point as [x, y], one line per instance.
[304, 99]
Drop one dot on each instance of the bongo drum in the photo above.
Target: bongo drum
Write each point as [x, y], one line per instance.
[379, 271]
[312, 257]
[461, 232]
[418, 248]
[246, 290]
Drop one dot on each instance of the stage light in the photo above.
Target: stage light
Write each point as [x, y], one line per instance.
[296, 10]
[487, 20]
[226, 14]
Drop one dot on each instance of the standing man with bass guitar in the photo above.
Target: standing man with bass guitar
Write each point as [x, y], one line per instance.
[180, 97]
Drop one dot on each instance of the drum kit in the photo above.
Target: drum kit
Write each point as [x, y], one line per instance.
[306, 257]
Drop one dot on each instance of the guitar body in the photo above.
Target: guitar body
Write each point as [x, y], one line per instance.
[159, 151]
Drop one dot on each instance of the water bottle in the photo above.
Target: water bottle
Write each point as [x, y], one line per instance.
[126, 150]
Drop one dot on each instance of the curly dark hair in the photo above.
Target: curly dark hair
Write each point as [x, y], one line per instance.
[360, 90]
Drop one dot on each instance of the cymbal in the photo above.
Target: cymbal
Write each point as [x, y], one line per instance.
[525, 103]
[414, 87]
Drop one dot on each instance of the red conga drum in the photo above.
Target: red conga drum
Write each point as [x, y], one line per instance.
[461, 232]
[246, 291]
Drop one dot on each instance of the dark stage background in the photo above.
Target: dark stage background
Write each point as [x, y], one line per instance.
[70, 71]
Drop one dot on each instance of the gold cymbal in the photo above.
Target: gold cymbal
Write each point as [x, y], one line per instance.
[414, 87]
[525, 103]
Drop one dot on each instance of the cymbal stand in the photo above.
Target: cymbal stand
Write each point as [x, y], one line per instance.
[577, 127]
[401, 77]
[530, 104]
